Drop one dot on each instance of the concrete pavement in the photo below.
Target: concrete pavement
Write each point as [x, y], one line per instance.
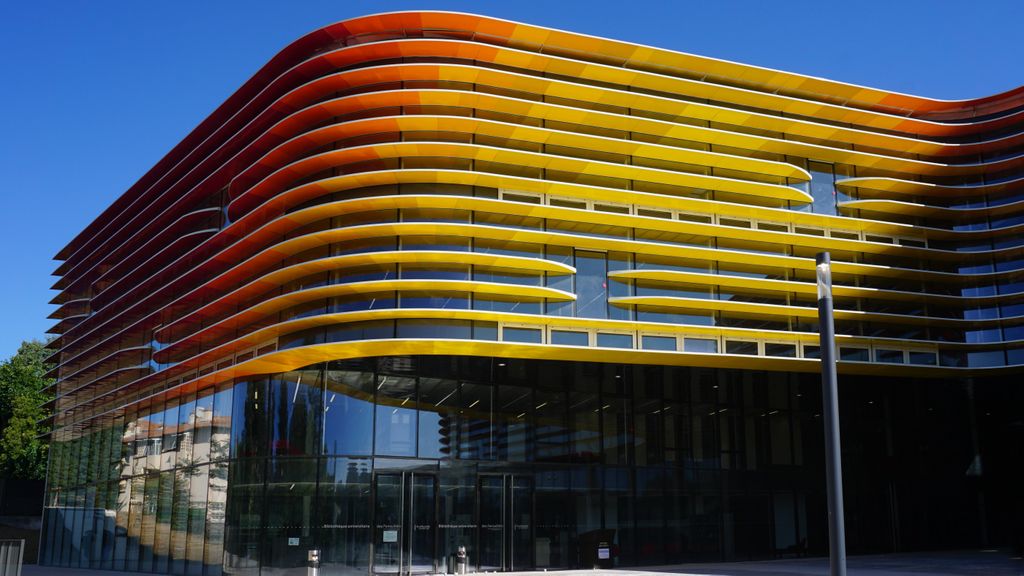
[960, 563]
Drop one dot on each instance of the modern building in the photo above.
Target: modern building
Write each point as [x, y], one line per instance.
[432, 280]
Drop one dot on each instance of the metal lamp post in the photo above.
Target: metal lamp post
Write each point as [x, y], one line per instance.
[830, 412]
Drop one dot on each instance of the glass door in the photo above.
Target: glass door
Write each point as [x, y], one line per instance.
[505, 528]
[405, 523]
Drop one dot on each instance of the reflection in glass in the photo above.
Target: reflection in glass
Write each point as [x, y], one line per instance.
[437, 400]
[591, 285]
[348, 412]
[395, 428]
[344, 515]
[288, 525]
[295, 403]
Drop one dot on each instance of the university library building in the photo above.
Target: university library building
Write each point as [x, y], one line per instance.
[431, 282]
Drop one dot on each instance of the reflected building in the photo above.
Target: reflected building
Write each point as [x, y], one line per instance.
[433, 280]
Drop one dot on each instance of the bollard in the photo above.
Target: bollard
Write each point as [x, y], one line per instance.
[461, 561]
[313, 563]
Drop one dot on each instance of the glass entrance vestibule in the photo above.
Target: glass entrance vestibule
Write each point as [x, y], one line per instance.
[420, 523]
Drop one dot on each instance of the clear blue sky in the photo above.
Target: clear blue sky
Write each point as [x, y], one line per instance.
[92, 94]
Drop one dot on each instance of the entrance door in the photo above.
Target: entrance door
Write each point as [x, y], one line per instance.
[505, 530]
[405, 523]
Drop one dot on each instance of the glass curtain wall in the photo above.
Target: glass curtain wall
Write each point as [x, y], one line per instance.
[529, 464]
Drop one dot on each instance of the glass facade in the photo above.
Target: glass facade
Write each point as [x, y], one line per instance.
[389, 464]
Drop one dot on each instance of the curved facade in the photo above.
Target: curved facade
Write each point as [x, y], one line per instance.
[504, 255]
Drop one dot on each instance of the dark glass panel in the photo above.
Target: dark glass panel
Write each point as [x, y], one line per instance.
[854, 354]
[923, 358]
[740, 347]
[244, 518]
[783, 350]
[289, 516]
[475, 416]
[512, 424]
[344, 515]
[889, 356]
[457, 508]
[552, 442]
[295, 404]
[249, 435]
[619, 515]
[553, 532]
[584, 412]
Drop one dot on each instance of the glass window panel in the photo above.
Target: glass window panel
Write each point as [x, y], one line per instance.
[180, 518]
[149, 504]
[476, 415]
[348, 412]
[552, 443]
[658, 342]
[512, 425]
[922, 358]
[619, 288]
[584, 412]
[606, 340]
[195, 518]
[591, 285]
[702, 345]
[395, 429]
[854, 354]
[220, 426]
[485, 331]
[434, 329]
[202, 426]
[295, 404]
[890, 356]
[783, 350]
[361, 330]
[528, 335]
[216, 514]
[249, 435]
[165, 509]
[244, 518]
[290, 498]
[563, 282]
[740, 347]
[344, 515]
[569, 338]
[438, 398]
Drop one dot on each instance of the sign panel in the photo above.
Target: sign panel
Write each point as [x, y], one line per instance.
[293, 541]
[603, 554]
[390, 536]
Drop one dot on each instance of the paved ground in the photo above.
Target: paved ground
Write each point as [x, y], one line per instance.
[965, 563]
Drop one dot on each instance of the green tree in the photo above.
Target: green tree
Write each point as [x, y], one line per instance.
[22, 384]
